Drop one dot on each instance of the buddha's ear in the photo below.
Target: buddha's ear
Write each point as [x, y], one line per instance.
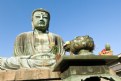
[32, 26]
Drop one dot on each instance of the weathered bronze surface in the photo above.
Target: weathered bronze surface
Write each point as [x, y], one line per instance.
[37, 48]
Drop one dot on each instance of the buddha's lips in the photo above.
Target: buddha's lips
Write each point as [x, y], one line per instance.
[41, 22]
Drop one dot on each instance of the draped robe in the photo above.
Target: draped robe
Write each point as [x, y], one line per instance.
[27, 56]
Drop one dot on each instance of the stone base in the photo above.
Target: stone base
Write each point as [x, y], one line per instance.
[92, 78]
[86, 68]
[29, 75]
[81, 73]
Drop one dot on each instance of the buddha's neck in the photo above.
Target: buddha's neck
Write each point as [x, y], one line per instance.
[39, 32]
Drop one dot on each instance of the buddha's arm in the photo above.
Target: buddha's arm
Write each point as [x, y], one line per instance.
[60, 44]
[19, 46]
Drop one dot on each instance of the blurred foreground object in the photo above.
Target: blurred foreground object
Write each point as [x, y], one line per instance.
[81, 45]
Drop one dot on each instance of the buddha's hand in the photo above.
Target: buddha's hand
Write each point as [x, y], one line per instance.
[25, 57]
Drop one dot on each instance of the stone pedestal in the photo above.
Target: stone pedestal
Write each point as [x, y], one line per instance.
[83, 67]
[29, 75]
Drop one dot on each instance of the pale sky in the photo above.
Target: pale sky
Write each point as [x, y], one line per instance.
[100, 19]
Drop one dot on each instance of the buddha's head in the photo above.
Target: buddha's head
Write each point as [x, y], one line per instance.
[40, 19]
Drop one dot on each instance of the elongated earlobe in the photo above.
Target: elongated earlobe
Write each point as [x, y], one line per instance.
[32, 26]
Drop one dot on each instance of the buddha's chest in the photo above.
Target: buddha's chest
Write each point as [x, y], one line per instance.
[42, 43]
[41, 40]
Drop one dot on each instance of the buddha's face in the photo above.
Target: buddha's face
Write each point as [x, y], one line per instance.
[40, 20]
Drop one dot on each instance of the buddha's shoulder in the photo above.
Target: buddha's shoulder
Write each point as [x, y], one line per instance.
[25, 33]
[53, 34]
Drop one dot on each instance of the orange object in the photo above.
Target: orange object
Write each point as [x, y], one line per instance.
[104, 52]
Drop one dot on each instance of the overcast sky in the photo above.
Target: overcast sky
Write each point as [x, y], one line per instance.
[100, 19]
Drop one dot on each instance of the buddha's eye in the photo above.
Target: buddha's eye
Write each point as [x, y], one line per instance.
[37, 16]
[45, 17]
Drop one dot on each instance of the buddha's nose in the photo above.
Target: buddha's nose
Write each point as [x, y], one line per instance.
[41, 17]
